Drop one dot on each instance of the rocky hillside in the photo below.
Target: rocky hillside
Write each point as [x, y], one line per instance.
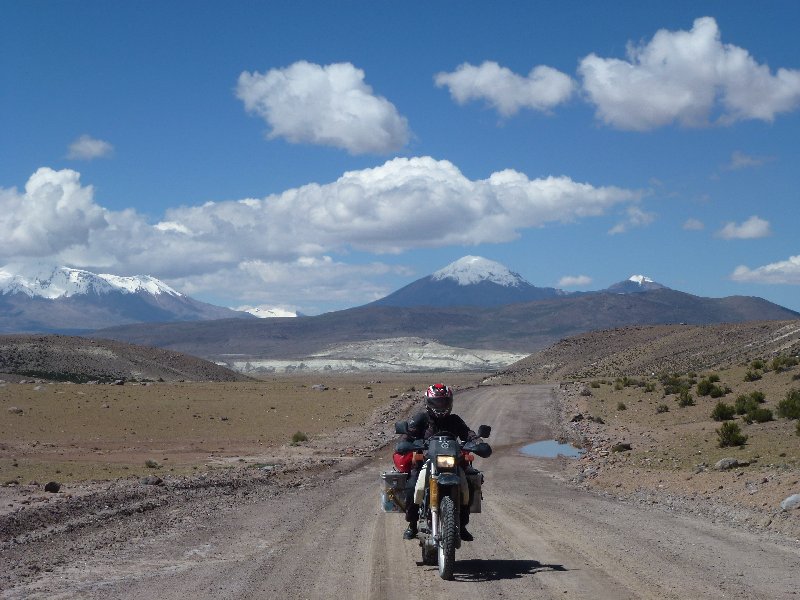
[66, 358]
[637, 351]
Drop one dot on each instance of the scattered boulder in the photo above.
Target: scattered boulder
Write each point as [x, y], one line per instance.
[151, 480]
[598, 420]
[791, 502]
[726, 464]
[15, 410]
[319, 387]
[621, 447]
[576, 418]
[52, 486]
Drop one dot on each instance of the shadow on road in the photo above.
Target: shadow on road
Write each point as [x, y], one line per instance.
[495, 570]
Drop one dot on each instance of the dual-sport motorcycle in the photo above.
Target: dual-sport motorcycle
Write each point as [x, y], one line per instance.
[447, 481]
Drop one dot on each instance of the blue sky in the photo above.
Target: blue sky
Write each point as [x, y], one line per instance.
[316, 156]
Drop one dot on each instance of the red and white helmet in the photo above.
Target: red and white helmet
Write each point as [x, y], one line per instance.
[439, 400]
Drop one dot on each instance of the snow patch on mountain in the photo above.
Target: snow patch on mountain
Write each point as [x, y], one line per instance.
[62, 282]
[264, 312]
[640, 279]
[470, 270]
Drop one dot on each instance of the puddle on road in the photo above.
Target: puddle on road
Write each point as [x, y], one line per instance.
[551, 449]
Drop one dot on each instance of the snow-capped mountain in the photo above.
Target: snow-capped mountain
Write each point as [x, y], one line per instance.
[66, 300]
[63, 282]
[469, 270]
[635, 284]
[469, 281]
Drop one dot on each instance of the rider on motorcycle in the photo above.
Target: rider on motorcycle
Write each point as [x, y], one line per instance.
[437, 417]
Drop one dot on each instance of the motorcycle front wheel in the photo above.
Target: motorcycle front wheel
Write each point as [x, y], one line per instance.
[448, 535]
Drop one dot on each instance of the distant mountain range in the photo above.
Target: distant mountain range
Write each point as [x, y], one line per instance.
[65, 300]
[472, 303]
[436, 308]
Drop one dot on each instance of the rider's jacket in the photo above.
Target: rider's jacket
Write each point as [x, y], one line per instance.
[423, 426]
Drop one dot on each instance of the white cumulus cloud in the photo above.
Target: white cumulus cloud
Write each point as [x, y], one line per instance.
[327, 105]
[752, 228]
[52, 214]
[384, 209]
[689, 77]
[87, 148]
[574, 281]
[782, 272]
[542, 89]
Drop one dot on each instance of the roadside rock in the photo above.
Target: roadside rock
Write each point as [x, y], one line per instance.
[726, 464]
[52, 487]
[791, 502]
[15, 410]
[151, 480]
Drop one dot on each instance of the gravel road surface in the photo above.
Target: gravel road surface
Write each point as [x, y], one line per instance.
[537, 537]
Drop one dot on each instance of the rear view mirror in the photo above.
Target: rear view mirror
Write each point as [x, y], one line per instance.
[484, 431]
[401, 427]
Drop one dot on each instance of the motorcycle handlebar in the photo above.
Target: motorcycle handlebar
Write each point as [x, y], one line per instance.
[478, 447]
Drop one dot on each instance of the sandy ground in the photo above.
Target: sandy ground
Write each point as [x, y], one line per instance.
[320, 534]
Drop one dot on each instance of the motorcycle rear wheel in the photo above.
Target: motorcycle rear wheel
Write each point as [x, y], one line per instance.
[448, 537]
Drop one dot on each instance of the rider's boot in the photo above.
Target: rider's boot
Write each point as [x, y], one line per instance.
[465, 535]
[411, 532]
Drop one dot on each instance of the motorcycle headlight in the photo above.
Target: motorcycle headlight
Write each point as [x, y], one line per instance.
[446, 462]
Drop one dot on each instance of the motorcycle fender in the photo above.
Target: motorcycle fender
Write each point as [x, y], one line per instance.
[449, 479]
[419, 487]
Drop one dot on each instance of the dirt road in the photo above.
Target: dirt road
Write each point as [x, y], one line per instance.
[536, 538]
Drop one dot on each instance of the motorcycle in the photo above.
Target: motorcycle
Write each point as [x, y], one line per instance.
[447, 481]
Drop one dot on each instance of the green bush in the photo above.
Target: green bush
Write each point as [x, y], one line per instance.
[662, 408]
[789, 407]
[758, 415]
[298, 437]
[757, 364]
[685, 398]
[745, 404]
[713, 378]
[704, 387]
[618, 386]
[797, 429]
[621, 406]
[723, 412]
[674, 383]
[781, 363]
[719, 392]
[595, 384]
[729, 434]
[752, 376]
[152, 464]
[758, 396]
[649, 387]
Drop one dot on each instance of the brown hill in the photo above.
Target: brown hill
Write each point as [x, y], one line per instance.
[67, 358]
[640, 351]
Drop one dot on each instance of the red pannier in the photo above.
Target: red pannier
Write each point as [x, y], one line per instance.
[402, 462]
